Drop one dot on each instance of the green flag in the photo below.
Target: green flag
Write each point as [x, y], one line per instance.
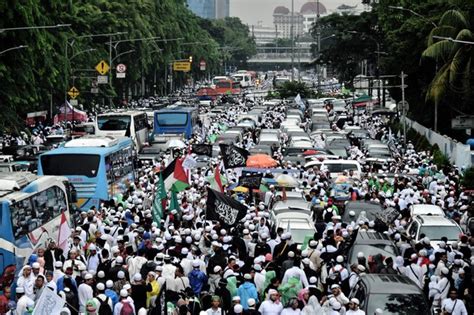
[157, 208]
[174, 202]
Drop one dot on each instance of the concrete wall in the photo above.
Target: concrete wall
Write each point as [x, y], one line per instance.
[458, 153]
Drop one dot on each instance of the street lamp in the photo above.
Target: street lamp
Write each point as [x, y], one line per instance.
[414, 13]
[13, 48]
[454, 40]
[82, 52]
[24, 28]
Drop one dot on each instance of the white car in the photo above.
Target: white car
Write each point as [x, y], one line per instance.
[299, 224]
[423, 209]
[434, 227]
[337, 167]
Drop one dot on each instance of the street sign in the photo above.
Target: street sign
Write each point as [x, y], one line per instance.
[202, 65]
[184, 66]
[121, 68]
[94, 90]
[102, 79]
[73, 93]
[462, 122]
[73, 102]
[102, 67]
[120, 75]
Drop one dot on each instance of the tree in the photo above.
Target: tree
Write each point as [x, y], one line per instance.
[454, 59]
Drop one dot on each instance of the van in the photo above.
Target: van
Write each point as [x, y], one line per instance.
[337, 167]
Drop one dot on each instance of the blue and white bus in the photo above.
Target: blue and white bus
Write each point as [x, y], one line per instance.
[179, 121]
[31, 208]
[98, 167]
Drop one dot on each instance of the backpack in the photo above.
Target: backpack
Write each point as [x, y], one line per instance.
[126, 309]
[104, 308]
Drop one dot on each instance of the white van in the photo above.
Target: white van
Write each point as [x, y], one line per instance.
[337, 167]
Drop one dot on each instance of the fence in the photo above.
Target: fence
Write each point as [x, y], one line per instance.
[458, 153]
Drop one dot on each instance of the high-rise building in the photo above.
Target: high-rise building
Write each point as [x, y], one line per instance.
[284, 22]
[210, 9]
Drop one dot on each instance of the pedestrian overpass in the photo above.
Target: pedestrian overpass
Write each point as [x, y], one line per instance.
[281, 56]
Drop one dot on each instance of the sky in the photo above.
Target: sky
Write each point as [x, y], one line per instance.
[253, 11]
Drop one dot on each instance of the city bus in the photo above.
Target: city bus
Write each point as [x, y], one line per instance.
[31, 208]
[177, 121]
[98, 167]
[133, 124]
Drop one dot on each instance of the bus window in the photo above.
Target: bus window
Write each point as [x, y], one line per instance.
[140, 122]
[29, 214]
[113, 123]
[119, 164]
[172, 119]
[70, 164]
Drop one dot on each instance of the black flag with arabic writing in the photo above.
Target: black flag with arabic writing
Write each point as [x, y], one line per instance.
[233, 156]
[202, 149]
[252, 181]
[223, 208]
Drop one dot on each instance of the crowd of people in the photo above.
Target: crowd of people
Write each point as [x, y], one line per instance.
[120, 261]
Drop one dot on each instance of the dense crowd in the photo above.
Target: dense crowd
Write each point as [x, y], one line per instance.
[120, 261]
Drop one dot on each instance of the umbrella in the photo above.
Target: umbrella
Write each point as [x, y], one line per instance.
[241, 189]
[175, 143]
[261, 161]
[341, 179]
[310, 152]
[285, 180]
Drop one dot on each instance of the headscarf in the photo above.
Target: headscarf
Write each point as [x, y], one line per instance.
[301, 295]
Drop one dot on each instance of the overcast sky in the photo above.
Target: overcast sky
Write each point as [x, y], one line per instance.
[252, 11]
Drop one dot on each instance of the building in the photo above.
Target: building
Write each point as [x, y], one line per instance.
[302, 19]
[284, 21]
[310, 12]
[210, 9]
[347, 9]
[265, 34]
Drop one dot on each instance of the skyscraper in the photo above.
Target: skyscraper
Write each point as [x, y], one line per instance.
[210, 9]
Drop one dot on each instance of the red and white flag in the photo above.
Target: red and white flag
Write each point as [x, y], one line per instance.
[217, 178]
[64, 232]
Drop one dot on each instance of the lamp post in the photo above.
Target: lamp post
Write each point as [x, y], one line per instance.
[13, 48]
[414, 13]
[26, 28]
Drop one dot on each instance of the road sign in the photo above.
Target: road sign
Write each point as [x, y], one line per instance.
[184, 66]
[202, 65]
[102, 79]
[73, 102]
[120, 75]
[102, 67]
[121, 68]
[73, 93]
[94, 90]
[462, 122]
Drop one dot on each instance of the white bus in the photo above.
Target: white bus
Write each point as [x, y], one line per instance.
[133, 124]
[244, 79]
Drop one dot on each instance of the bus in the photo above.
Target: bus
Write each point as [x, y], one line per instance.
[31, 208]
[175, 121]
[133, 124]
[226, 87]
[98, 167]
[244, 79]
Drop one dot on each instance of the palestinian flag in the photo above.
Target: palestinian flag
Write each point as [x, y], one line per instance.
[174, 176]
[160, 201]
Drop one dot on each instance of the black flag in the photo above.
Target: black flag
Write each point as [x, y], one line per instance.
[233, 156]
[251, 181]
[202, 149]
[224, 209]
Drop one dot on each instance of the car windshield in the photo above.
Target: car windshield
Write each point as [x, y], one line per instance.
[70, 164]
[408, 304]
[172, 119]
[113, 123]
[437, 232]
[385, 250]
[298, 235]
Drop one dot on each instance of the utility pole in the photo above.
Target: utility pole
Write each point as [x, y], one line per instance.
[292, 39]
[404, 111]
[318, 34]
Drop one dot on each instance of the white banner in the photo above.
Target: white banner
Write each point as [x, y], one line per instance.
[49, 303]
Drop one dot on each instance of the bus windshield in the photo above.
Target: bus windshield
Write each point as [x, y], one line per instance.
[70, 164]
[172, 119]
[113, 123]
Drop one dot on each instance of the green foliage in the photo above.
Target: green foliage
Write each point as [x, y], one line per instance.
[293, 88]
[468, 178]
[34, 76]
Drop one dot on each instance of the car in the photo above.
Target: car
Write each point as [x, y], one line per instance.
[299, 224]
[337, 167]
[261, 149]
[424, 209]
[269, 139]
[371, 244]
[434, 227]
[295, 202]
[357, 210]
[393, 294]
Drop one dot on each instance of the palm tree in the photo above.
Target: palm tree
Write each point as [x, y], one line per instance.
[453, 59]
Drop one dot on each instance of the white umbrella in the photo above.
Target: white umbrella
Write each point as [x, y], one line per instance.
[175, 143]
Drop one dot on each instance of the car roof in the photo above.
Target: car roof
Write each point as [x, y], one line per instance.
[292, 204]
[435, 220]
[367, 238]
[389, 284]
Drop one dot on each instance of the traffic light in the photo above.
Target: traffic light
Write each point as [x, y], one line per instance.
[191, 59]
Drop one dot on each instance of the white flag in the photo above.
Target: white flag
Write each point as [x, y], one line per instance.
[49, 303]
[64, 233]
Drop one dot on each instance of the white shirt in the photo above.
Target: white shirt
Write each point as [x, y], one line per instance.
[298, 273]
[358, 312]
[214, 312]
[85, 293]
[22, 304]
[290, 311]
[269, 307]
[415, 273]
[118, 307]
[455, 307]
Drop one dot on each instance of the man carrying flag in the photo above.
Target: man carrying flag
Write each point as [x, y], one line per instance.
[160, 201]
